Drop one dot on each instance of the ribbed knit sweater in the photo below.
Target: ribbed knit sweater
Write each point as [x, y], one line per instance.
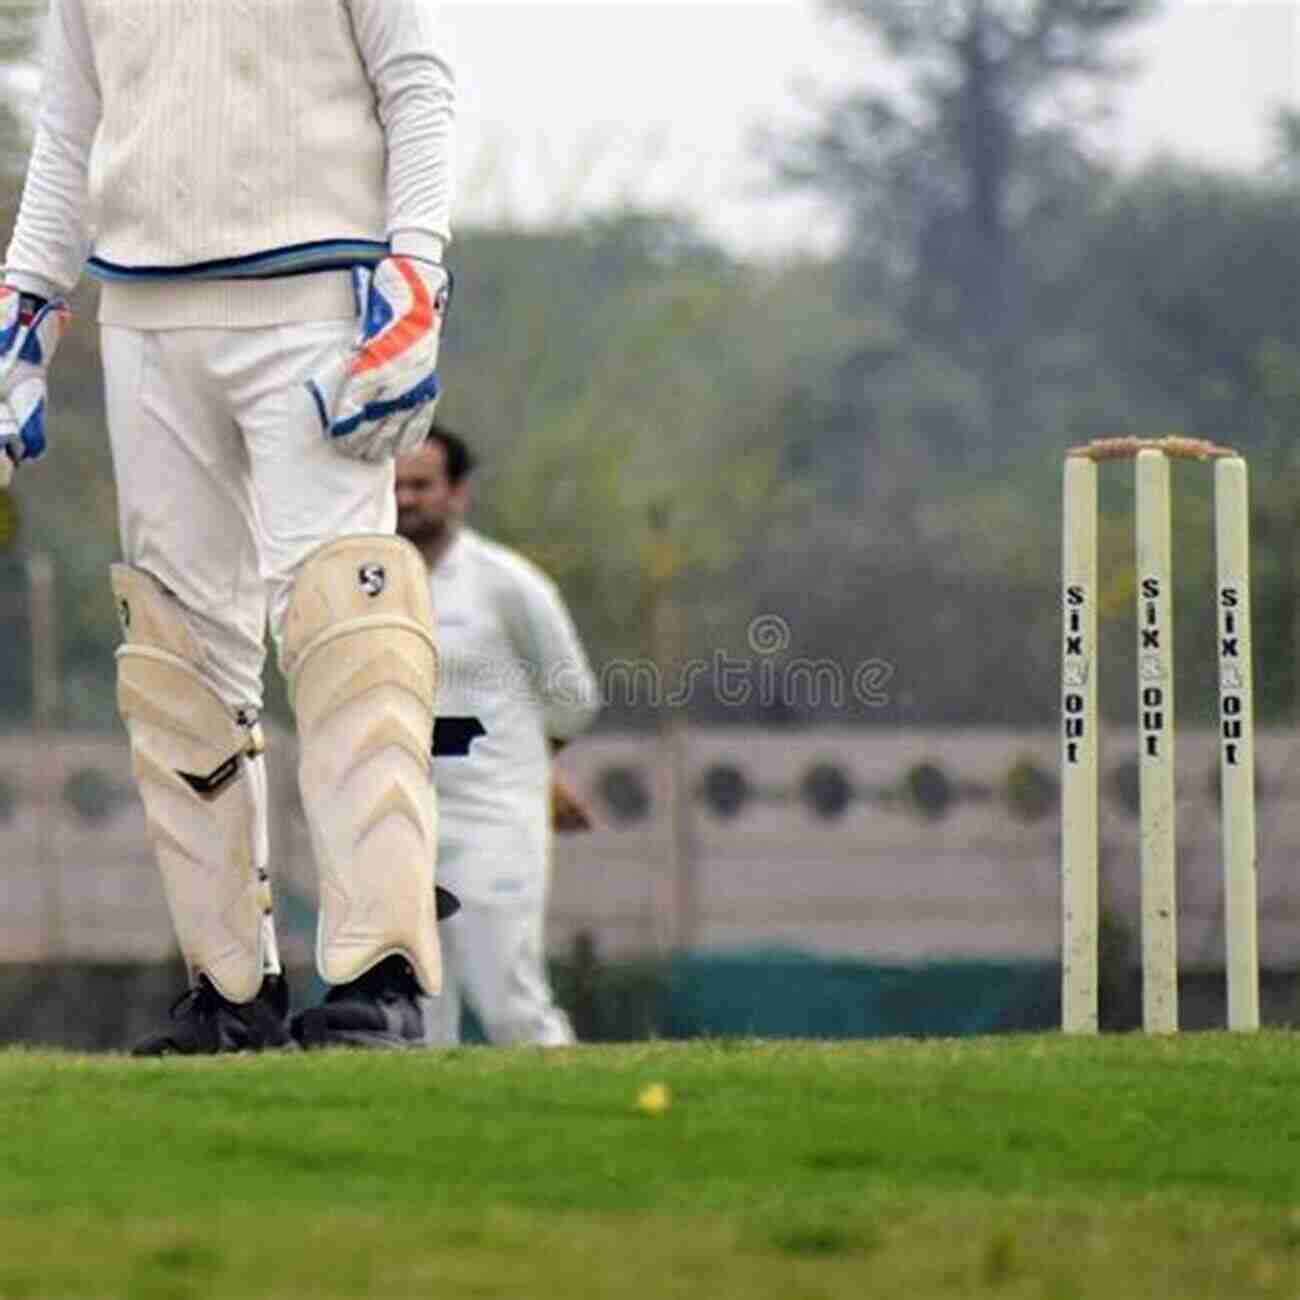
[204, 156]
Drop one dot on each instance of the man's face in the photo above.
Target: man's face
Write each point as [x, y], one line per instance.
[427, 503]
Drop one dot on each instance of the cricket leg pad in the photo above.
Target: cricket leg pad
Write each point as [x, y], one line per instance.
[190, 757]
[358, 651]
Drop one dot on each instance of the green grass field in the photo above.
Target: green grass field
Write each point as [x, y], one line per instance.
[1018, 1167]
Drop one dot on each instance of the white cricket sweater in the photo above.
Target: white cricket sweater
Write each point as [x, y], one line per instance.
[201, 156]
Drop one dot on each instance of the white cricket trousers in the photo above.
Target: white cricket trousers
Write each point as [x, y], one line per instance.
[492, 958]
[225, 482]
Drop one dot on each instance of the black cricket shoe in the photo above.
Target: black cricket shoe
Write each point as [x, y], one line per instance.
[378, 1009]
[205, 1024]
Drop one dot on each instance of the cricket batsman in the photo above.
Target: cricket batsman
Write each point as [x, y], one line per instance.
[263, 189]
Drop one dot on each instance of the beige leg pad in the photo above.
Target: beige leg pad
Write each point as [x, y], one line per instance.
[359, 654]
[190, 759]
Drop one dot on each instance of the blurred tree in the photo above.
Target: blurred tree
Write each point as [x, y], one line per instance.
[1193, 274]
[957, 186]
[807, 439]
[1286, 145]
[629, 365]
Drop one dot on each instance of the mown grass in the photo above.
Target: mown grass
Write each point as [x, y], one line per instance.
[1019, 1167]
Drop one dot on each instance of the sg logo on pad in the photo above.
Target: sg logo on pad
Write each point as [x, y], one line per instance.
[371, 579]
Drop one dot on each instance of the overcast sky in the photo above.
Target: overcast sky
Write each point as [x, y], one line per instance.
[568, 107]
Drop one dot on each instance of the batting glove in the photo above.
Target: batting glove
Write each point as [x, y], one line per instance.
[30, 330]
[378, 400]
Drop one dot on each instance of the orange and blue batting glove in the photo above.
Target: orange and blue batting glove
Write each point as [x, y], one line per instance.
[378, 400]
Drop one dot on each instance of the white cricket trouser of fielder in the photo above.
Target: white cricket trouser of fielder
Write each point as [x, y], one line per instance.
[224, 481]
[492, 957]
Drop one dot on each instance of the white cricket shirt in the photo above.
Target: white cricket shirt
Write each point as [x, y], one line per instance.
[510, 657]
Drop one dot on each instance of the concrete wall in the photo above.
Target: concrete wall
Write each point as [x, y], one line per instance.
[881, 883]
